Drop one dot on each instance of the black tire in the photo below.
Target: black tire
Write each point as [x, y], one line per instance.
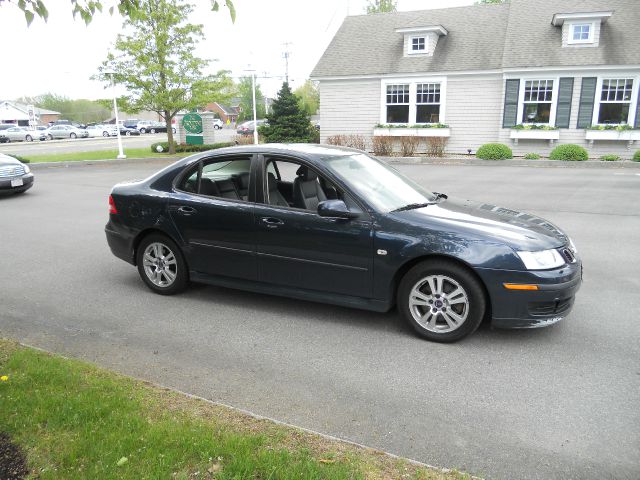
[73, 135]
[105, 134]
[50, 137]
[153, 130]
[142, 130]
[28, 138]
[127, 133]
[450, 274]
[181, 271]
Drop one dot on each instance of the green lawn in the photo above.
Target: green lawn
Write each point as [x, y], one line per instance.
[96, 155]
[77, 421]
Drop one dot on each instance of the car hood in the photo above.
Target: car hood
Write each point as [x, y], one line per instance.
[7, 160]
[519, 230]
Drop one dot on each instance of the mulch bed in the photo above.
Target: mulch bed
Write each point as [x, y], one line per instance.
[13, 463]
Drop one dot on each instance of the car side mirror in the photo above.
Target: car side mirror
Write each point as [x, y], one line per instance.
[335, 209]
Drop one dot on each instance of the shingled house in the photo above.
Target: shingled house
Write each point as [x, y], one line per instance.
[528, 73]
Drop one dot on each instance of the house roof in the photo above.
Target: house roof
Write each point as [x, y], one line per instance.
[22, 107]
[481, 37]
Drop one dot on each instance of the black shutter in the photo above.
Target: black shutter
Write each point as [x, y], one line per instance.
[637, 122]
[563, 108]
[511, 91]
[587, 98]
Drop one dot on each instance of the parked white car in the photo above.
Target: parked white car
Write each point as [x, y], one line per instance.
[65, 131]
[23, 134]
[143, 126]
[102, 130]
[217, 123]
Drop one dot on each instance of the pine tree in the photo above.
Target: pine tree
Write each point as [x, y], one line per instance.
[288, 123]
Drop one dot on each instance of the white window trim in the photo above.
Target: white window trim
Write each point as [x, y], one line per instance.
[632, 105]
[592, 29]
[413, 82]
[411, 50]
[554, 100]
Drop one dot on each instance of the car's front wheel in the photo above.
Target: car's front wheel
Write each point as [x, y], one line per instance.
[161, 265]
[50, 137]
[28, 138]
[153, 130]
[442, 300]
[105, 134]
[128, 134]
[73, 135]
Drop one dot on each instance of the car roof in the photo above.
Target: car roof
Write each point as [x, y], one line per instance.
[306, 150]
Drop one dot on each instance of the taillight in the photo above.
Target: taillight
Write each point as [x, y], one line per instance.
[112, 206]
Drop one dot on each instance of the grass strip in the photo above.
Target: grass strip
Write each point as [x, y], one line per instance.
[77, 421]
[96, 155]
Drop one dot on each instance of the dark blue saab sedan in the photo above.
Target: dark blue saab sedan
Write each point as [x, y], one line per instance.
[335, 225]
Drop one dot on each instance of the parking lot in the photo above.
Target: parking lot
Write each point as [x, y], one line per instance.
[560, 402]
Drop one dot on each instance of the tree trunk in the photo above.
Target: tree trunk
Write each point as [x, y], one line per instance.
[172, 145]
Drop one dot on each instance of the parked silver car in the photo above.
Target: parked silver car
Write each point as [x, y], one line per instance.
[65, 131]
[23, 134]
[102, 130]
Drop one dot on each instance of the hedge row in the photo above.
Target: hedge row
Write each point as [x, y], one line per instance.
[184, 148]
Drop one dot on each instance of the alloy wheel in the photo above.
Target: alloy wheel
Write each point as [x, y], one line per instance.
[439, 303]
[160, 265]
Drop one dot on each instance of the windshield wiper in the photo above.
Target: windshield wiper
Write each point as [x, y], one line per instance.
[413, 206]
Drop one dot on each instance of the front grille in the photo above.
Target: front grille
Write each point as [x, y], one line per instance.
[11, 171]
[542, 309]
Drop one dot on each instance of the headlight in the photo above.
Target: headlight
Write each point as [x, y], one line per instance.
[26, 168]
[542, 260]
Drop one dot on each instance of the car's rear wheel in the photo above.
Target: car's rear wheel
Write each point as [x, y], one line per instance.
[29, 138]
[443, 301]
[73, 135]
[50, 137]
[105, 134]
[153, 130]
[142, 130]
[161, 265]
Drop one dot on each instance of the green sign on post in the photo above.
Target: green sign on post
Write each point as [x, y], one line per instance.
[192, 123]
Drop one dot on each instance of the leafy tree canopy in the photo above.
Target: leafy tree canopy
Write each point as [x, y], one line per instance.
[308, 97]
[156, 64]
[82, 111]
[86, 9]
[381, 6]
[244, 92]
[288, 123]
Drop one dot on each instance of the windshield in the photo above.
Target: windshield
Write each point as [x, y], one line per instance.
[382, 186]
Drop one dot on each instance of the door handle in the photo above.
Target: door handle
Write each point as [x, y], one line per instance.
[186, 211]
[272, 222]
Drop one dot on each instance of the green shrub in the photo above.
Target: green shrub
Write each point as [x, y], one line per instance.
[569, 152]
[494, 151]
[610, 158]
[184, 148]
[636, 156]
[532, 156]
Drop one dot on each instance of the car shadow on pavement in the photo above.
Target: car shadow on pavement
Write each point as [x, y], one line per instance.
[390, 322]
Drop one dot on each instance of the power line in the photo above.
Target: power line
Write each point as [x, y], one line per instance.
[286, 54]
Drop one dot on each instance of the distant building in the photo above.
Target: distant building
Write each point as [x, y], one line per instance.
[18, 113]
[224, 111]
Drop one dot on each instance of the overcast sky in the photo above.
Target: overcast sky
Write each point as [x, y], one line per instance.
[59, 56]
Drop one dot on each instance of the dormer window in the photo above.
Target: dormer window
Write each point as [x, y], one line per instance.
[421, 41]
[580, 29]
[581, 33]
[418, 44]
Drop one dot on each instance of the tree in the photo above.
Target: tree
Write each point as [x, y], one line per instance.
[86, 9]
[308, 97]
[381, 6]
[82, 111]
[156, 64]
[287, 122]
[245, 94]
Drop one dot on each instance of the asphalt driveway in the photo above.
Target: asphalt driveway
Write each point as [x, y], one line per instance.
[561, 402]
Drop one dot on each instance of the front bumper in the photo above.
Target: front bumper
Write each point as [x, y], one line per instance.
[550, 304]
[7, 188]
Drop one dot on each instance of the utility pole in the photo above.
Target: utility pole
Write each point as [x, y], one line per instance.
[285, 55]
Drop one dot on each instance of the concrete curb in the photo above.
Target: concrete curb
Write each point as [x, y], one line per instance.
[514, 162]
[469, 161]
